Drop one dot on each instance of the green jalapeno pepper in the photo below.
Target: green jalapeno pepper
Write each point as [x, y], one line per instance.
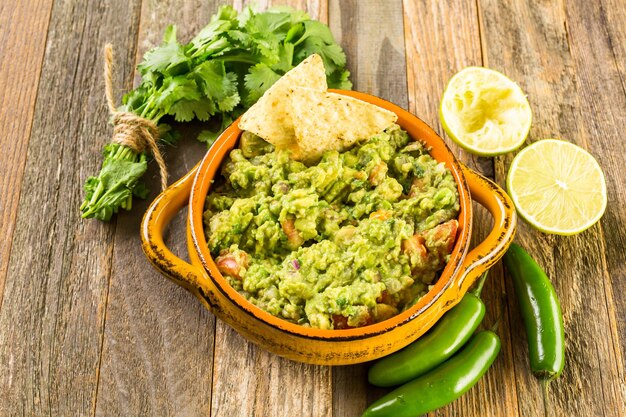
[442, 385]
[541, 313]
[442, 341]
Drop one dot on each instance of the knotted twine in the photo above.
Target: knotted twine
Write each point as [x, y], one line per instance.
[130, 129]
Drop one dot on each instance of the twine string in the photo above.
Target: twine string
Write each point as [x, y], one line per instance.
[130, 129]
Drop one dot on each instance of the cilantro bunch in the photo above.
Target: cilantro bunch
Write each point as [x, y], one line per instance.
[220, 73]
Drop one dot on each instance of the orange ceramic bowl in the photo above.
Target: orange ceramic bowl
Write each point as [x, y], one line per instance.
[326, 347]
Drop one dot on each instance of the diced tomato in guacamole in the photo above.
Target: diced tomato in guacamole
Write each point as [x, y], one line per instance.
[350, 241]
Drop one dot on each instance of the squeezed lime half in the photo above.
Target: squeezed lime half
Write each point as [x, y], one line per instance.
[485, 112]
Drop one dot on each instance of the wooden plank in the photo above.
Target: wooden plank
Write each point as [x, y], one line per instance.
[441, 39]
[250, 381]
[24, 28]
[317, 9]
[158, 346]
[554, 53]
[371, 34]
[52, 319]
[597, 39]
[611, 15]
[597, 36]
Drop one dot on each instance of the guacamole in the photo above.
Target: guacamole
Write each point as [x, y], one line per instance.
[347, 242]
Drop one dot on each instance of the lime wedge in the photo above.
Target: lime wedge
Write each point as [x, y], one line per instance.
[557, 187]
[485, 112]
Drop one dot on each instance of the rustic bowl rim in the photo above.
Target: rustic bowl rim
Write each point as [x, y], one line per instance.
[208, 169]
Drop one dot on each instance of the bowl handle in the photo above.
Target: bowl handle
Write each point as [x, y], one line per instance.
[490, 250]
[157, 217]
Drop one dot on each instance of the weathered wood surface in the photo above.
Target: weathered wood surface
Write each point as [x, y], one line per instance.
[53, 312]
[25, 36]
[88, 328]
[597, 36]
[539, 48]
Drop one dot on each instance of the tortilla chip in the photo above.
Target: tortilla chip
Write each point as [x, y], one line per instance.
[270, 117]
[327, 121]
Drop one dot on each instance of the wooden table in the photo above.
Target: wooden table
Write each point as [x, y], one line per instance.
[87, 327]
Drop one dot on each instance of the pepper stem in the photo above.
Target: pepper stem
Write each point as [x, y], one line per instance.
[479, 285]
[544, 390]
[496, 324]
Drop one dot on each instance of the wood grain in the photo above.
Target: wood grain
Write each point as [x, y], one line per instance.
[597, 36]
[23, 30]
[249, 381]
[317, 9]
[544, 48]
[371, 34]
[52, 318]
[441, 39]
[158, 346]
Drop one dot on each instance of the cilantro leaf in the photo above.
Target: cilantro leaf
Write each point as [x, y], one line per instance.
[208, 136]
[208, 41]
[229, 103]
[294, 33]
[258, 80]
[314, 29]
[141, 191]
[169, 58]
[168, 135]
[135, 100]
[317, 38]
[272, 22]
[239, 37]
[226, 12]
[340, 79]
[175, 89]
[285, 61]
[169, 35]
[214, 81]
[187, 110]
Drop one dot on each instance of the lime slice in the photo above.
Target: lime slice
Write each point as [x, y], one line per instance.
[485, 112]
[557, 187]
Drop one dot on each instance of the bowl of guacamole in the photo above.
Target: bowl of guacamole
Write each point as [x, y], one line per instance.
[349, 241]
[335, 257]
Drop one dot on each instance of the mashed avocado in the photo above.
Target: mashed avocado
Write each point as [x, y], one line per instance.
[348, 242]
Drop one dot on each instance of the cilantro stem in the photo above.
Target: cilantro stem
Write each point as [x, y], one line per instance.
[97, 193]
[148, 107]
[114, 187]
